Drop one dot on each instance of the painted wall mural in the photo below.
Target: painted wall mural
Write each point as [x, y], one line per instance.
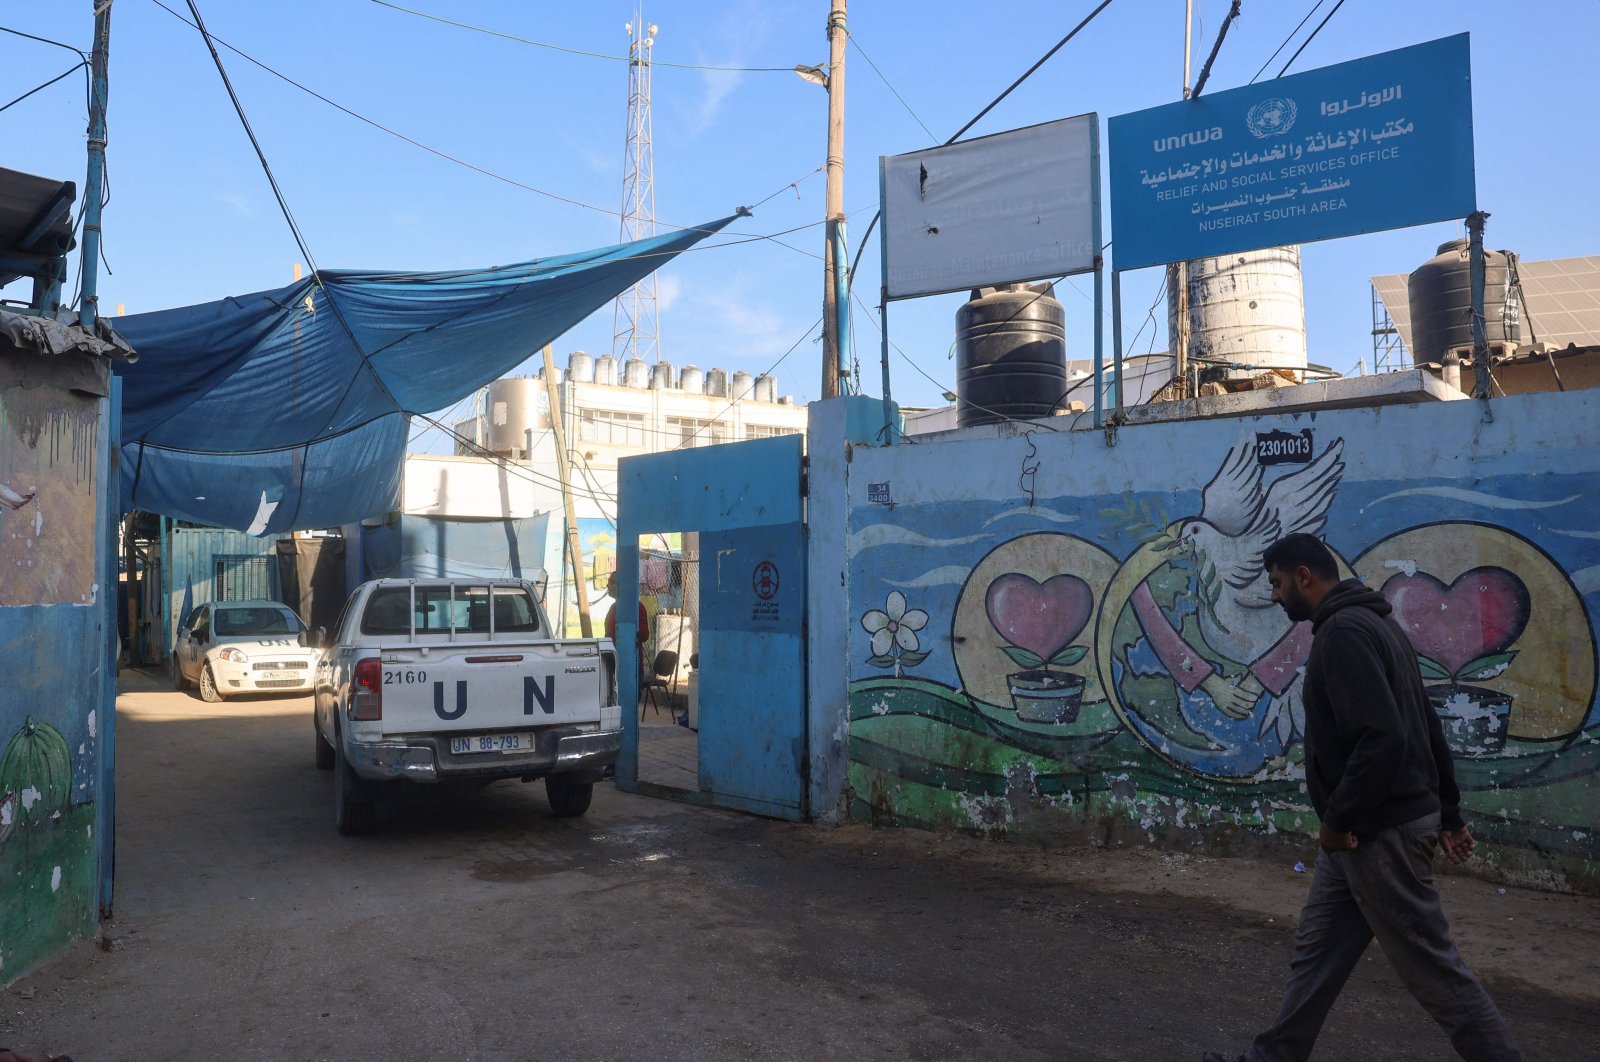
[1090, 657]
[53, 645]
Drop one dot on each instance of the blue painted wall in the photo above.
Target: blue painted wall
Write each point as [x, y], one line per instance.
[1044, 634]
[56, 638]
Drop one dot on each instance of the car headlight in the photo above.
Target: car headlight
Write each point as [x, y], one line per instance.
[232, 656]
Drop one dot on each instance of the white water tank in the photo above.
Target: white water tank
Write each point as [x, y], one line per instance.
[1246, 309]
[766, 389]
[692, 380]
[636, 373]
[662, 377]
[743, 384]
[717, 383]
[580, 367]
[605, 370]
[514, 406]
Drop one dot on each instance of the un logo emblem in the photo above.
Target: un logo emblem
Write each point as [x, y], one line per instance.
[1272, 117]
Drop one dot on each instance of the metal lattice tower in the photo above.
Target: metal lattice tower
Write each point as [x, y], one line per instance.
[635, 323]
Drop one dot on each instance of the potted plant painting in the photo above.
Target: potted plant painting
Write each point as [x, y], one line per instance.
[1463, 634]
[1039, 622]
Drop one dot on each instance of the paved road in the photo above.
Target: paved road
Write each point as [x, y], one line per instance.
[478, 927]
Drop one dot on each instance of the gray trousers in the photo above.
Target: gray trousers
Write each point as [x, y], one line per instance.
[1383, 889]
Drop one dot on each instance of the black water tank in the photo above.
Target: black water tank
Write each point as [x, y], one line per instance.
[1440, 294]
[1011, 354]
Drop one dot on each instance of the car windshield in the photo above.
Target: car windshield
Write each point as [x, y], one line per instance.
[233, 622]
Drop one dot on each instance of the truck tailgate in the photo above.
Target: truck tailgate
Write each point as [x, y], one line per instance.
[491, 686]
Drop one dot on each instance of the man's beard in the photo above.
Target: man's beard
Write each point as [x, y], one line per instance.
[1295, 606]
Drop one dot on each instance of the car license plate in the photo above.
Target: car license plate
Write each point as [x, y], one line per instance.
[272, 676]
[492, 743]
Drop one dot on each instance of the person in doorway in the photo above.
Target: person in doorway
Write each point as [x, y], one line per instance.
[1381, 779]
[642, 637]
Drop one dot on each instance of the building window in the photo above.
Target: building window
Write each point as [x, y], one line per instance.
[767, 431]
[686, 431]
[610, 427]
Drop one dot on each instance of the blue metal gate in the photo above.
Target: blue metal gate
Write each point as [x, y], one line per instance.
[746, 501]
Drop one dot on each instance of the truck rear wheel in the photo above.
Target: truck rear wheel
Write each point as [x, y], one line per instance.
[568, 799]
[353, 808]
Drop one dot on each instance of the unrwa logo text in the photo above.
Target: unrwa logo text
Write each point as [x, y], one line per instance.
[1271, 117]
[1199, 136]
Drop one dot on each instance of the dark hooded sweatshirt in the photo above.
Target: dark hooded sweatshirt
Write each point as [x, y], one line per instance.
[1375, 751]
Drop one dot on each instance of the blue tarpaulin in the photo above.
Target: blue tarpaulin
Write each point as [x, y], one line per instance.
[289, 409]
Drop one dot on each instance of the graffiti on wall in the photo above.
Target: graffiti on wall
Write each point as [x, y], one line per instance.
[1126, 649]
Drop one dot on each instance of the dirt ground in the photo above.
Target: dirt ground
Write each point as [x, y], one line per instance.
[478, 927]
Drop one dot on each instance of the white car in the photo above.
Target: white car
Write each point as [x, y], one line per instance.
[235, 647]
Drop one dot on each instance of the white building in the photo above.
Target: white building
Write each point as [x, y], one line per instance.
[608, 415]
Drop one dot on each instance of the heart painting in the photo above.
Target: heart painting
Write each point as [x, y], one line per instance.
[1040, 619]
[1465, 628]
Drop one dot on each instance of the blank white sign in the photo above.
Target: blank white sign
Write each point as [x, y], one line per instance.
[1014, 206]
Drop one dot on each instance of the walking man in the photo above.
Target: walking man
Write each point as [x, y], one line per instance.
[1381, 780]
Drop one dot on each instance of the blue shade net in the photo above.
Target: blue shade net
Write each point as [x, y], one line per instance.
[289, 409]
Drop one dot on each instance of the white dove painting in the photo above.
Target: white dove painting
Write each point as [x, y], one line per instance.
[1237, 660]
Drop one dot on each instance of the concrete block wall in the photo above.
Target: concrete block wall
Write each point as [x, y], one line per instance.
[1062, 632]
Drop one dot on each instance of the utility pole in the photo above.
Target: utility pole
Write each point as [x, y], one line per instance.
[1180, 271]
[574, 544]
[89, 257]
[835, 286]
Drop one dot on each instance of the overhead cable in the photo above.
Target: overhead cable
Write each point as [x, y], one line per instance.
[46, 40]
[44, 86]
[1090, 17]
[579, 51]
[1332, 12]
[890, 86]
[247, 57]
[1292, 34]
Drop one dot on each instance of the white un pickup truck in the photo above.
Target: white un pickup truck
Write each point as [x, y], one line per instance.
[440, 680]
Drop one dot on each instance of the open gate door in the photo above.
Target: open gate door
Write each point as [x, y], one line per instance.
[746, 502]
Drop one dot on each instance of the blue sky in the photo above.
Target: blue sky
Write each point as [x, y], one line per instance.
[191, 218]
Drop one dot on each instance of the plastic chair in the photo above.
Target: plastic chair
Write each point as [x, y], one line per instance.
[665, 666]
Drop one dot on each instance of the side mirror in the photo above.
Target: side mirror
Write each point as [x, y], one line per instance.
[314, 637]
[201, 637]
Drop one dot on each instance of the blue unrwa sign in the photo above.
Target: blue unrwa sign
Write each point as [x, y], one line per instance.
[1377, 143]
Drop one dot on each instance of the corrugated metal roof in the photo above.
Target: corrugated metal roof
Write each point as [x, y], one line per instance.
[1563, 301]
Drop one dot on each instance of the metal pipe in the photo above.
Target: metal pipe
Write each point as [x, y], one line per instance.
[835, 308]
[1116, 340]
[89, 308]
[1480, 334]
[841, 297]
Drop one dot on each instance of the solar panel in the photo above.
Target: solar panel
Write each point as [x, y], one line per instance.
[1562, 301]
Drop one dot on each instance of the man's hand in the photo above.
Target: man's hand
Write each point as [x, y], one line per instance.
[1333, 840]
[1235, 699]
[1458, 845]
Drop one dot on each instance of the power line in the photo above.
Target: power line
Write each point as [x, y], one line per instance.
[1334, 11]
[580, 51]
[1287, 39]
[247, 57]
[1030, 71]
[890, 86]
[769, 372]
[46, 40]
[44, 86]
[1090, 17]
